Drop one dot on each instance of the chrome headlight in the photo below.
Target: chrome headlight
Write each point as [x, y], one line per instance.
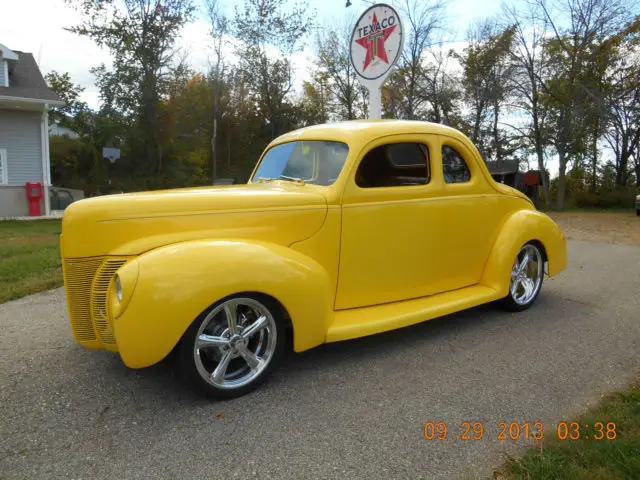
[124, 283]
[118, 288]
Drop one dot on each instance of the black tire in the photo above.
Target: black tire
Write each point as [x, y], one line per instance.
[638, 212]
[194, 364]
[515, 303]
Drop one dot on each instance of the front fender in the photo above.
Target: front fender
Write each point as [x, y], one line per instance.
[176, 283]
[521, 227]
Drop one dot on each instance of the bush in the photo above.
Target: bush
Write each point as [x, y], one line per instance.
[620, 198]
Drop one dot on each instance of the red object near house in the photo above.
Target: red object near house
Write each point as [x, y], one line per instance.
[34, 194]
[532, 177]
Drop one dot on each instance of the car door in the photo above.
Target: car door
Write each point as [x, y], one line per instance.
[472, 213]
[389, 228]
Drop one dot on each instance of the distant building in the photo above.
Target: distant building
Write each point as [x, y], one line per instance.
[25, 100]
[57, 130]
[508, 172]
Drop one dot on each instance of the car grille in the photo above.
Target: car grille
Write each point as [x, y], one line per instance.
[86, 283]
[99, 299]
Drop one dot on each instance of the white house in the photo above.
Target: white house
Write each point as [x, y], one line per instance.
[25, 100]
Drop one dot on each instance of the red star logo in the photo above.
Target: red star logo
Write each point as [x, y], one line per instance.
[374, 42]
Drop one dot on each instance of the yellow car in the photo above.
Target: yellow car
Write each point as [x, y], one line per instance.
[343, 230]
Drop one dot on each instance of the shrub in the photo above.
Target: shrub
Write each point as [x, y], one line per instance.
[619, 198]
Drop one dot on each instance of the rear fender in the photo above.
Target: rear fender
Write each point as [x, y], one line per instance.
[176, 283]
[521, 227]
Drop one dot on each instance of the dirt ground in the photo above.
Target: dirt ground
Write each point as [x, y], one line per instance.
[600, 227]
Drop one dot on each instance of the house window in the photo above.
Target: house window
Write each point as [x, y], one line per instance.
[394, 165]
[4, 73]
[4, 177]
[454, 167]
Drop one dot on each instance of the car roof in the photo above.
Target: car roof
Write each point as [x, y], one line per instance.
[365, 130]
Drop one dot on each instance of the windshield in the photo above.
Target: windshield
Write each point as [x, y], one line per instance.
[315, 161]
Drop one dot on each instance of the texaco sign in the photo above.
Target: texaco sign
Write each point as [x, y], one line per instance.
[376, 42]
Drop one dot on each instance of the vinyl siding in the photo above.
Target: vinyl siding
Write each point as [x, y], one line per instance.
[20, 135]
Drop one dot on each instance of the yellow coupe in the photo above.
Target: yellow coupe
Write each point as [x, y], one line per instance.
[343, 230]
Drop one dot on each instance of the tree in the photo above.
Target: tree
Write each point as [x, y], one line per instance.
[422, 19]
[442, 89]
[268, 36]
[313, 105]
[486, 79]
[590, 22]
[219, 29]
[622, 122]
[68, 115]
[140, 35]
[530, 64]
[334, 65]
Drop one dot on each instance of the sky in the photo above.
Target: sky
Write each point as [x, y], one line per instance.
[38, 26]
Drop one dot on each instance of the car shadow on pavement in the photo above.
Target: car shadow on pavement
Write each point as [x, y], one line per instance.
[422, 335]
[431, 338]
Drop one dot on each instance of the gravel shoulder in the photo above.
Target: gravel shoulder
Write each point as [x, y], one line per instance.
[600, 227]
[353, 409]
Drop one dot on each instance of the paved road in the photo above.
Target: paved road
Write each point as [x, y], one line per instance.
[349, 410]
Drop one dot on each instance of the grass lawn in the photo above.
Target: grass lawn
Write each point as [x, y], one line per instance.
[589, 458]
[29, 257]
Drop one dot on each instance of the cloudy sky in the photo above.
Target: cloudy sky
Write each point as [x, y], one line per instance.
[38, 26]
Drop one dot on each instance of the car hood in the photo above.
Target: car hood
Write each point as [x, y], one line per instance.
[129, 224]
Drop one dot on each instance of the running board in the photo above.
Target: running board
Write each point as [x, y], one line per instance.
[360, 322]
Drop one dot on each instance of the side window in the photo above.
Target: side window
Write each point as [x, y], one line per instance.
[454, 167]
[394, 165]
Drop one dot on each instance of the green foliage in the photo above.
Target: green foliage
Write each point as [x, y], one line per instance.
[75, 164]
[74, 111]
[486, 73]
[588, 458]
[140, 38]
[335, 71]
[269, 34]
[29, 257]
[618, 198]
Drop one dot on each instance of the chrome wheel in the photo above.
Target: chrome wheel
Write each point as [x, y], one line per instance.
[526, 275]
[235, 343]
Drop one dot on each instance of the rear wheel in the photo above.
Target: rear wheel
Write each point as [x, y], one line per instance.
[230, 349]
[526, 278]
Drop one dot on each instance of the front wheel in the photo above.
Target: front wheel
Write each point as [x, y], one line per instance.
[230, 349]
[526, 279]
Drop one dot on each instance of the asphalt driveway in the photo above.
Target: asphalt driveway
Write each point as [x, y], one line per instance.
[349, 410]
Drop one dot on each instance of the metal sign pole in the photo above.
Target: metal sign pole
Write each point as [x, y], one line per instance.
[375, 102]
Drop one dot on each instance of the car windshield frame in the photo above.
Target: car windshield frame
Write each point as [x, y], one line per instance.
[315, 162]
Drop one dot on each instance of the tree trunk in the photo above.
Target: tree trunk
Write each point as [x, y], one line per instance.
[476, 125]
[214, 151]
[229, 145]
[496, 133]
[537, 136]
[622, 163]
[636, 160]
[561, 178]
[594, 160]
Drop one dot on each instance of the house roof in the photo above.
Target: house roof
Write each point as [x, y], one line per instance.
[503, 167]
[26, 82]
